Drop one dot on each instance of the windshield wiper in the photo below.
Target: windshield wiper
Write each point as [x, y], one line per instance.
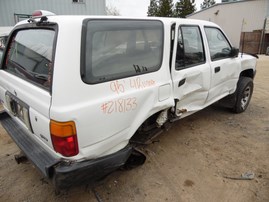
[23, 71]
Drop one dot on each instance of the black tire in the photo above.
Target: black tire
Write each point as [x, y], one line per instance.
[243, 94]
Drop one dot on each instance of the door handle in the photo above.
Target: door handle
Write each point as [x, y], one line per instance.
[181, 82]
[217, 69]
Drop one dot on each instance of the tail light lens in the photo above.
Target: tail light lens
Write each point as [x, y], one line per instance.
[40, 13]
[37, 13]
[64, 137]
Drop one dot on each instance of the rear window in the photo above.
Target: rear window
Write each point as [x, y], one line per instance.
[30, 55]
[120, 48]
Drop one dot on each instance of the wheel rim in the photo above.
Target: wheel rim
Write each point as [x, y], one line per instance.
[245, 97]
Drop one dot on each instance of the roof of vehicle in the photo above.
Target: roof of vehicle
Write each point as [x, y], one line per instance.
[80, 18]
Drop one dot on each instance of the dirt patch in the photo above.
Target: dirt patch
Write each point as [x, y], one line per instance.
[193, 161]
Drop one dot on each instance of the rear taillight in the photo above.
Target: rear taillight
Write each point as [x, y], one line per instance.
[64, 137]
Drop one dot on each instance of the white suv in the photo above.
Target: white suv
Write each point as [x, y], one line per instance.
[81, 92]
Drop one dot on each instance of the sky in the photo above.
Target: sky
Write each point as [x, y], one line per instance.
[138, 8]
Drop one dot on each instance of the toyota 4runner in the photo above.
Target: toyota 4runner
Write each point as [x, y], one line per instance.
[81, 92]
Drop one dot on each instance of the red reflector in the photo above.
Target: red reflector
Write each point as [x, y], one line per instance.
[67, 146]
[37, 13]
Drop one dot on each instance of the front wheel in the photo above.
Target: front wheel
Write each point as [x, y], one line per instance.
[243, 94]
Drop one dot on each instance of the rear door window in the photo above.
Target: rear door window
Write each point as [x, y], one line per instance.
[29, 55]
[190, 47]
[120, 48]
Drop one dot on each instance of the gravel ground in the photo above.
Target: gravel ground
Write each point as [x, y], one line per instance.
[198, 159]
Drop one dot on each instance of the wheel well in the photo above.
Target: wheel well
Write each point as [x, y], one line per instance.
[149, 123]
[247, 73]
[147, 130]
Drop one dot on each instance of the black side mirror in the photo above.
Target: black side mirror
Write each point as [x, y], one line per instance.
[234, 52]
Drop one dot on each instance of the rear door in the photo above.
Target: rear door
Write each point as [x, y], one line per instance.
[190, 71]
[26, 79]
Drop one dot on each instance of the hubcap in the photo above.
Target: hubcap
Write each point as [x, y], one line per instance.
[246, 97]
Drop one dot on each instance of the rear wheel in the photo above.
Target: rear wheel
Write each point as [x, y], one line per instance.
[243, 94]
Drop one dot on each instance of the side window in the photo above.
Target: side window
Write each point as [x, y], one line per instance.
[120, 48]
[219, 46]
[190, 49]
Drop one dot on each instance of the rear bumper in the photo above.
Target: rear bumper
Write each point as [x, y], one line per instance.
[69, 174]
[64, 173]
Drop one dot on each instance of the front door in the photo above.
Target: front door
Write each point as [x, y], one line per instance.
[225, 69]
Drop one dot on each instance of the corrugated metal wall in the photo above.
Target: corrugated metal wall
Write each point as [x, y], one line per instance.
[60, 7]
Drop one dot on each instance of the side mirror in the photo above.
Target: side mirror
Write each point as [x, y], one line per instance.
[234, 52]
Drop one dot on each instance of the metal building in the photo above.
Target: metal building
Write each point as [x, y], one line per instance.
[14, 10]
[245, 22]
